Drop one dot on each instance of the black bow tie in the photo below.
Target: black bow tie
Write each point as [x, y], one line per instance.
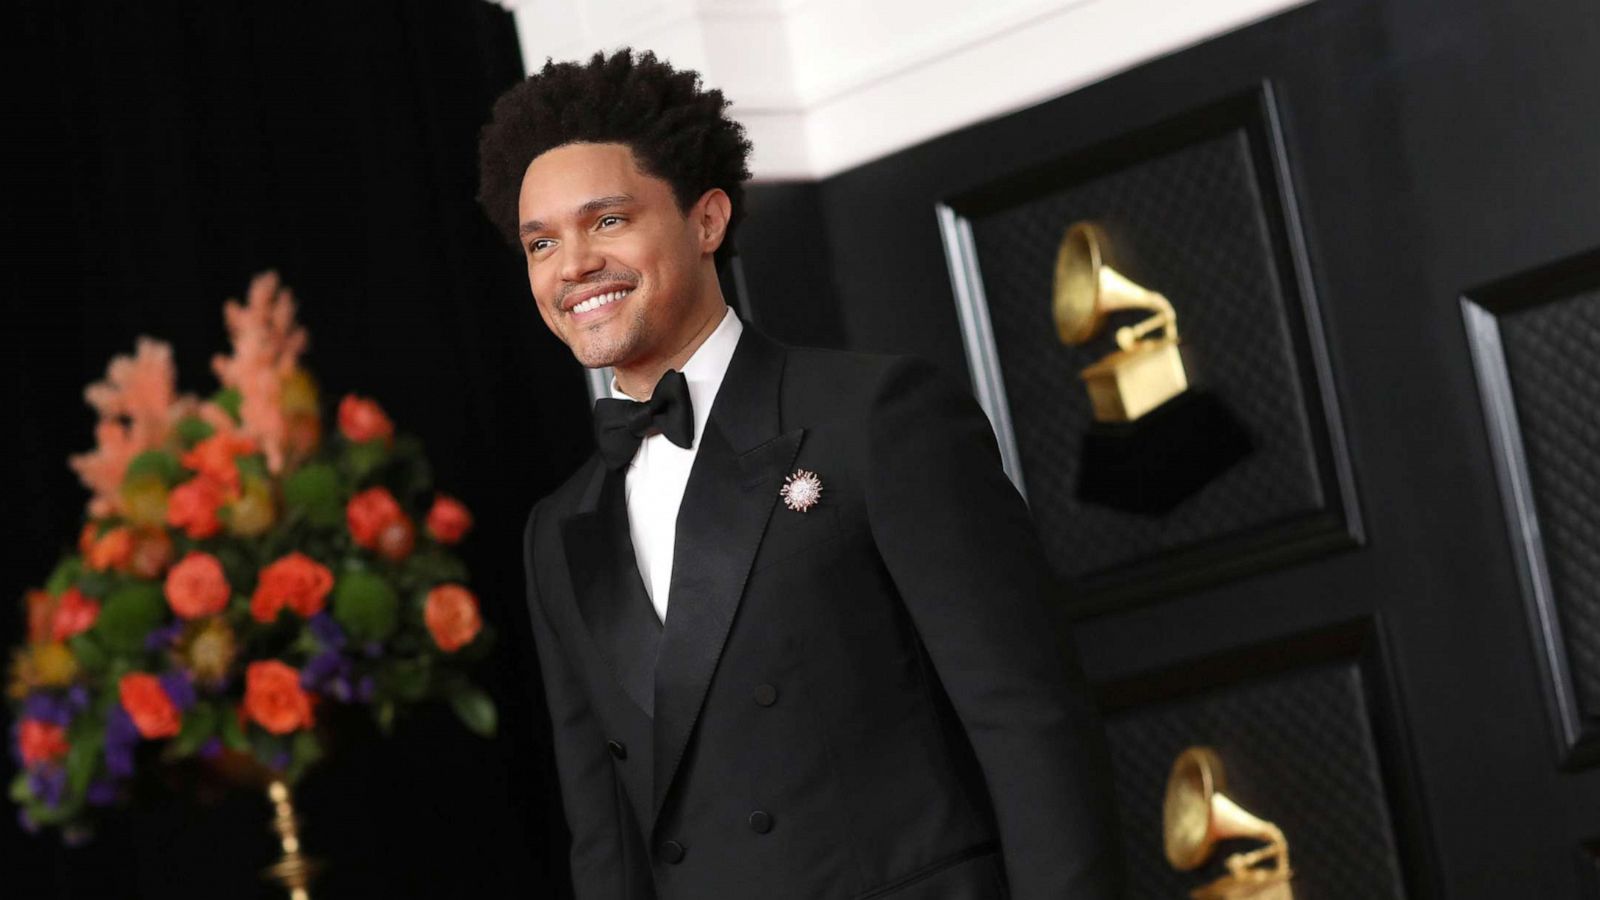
[619, 425]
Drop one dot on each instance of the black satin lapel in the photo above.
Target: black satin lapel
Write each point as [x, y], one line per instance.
[726, 505]
[609, 592]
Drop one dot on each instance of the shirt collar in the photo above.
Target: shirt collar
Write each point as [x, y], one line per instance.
[704, 369]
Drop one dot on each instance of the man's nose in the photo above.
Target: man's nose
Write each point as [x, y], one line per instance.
[579, 259]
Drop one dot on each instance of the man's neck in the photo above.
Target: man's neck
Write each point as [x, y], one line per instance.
[639, 380]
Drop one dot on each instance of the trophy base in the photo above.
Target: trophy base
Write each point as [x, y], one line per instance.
[1154, 463]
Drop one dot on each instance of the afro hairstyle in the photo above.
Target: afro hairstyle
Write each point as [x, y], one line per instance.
[677, 132]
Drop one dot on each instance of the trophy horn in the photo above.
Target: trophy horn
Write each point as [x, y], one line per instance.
[1087, 291]
[1197, 814]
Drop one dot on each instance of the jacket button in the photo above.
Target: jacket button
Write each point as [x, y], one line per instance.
[672, 852]
[617, 749]
[766, 694]
[760, 822]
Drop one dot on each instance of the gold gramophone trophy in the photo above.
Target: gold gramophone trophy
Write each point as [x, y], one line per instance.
[1146, 370]
[1197, 815]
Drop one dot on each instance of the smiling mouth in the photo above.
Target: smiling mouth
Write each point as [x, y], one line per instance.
[599, 300]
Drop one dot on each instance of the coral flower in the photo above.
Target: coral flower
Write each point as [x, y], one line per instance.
[274, 699]
[296, 581]
[137, 408]
[452, 617]
[193, 507]
[41, 615]
[214, 458]
[152, 711]
[266, 347]
[110, 550]
[378, 523]
[41, 741]
[152, 553]
[448, 520]
[197, 586]
[361, 420]
[74, 614]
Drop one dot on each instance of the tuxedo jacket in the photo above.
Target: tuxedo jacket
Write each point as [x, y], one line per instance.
[866, 698]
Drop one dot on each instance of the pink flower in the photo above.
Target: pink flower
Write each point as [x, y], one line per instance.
[266, 348]
[138, 405]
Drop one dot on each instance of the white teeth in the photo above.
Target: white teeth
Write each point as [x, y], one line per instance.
[599, 301]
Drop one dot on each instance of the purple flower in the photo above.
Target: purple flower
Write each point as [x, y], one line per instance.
[121, 737]
[211, 748]
[27, 822]
[47, 707]
[78, 698]
[373, 649]
[163, 637]
[101, 792]
[280, 762]
[47, 783]
[179, 689]
[322, 668]
[327, 631]
[365, 689]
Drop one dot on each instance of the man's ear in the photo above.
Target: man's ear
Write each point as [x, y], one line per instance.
[710, 219]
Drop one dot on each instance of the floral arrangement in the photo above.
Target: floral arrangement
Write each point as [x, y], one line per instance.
[238, 571]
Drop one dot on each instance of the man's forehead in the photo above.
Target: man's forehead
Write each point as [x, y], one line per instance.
[561, 180]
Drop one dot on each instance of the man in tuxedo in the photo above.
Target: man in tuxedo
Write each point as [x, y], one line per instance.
[791, 617]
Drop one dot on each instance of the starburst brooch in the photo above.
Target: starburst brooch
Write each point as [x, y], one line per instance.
[802, 490]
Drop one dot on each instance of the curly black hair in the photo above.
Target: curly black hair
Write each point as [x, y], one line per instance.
[677, 132]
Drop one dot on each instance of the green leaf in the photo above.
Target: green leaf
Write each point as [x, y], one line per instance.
[366, 605]
[408, 678]
[475, 710]
[82, 758]
[385, 717]
[19, 792]
[90, 655]
[157, 465]
[192, 430]
[364, 458]
[199, 724]
[229, 399]
[252, 466]
[313, 490]
[232, 732]
[304, 752]
[64, 575]
[128, 615]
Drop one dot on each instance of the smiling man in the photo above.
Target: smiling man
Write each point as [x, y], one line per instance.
[791, 617]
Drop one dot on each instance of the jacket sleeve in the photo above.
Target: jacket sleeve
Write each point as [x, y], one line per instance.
[588, 783]
[960, 545]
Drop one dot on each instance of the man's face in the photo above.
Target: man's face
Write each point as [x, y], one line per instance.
[594, 227]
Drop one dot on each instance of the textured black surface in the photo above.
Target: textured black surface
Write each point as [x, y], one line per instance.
[1189, 224]
[1554, 369]
[1297, 750]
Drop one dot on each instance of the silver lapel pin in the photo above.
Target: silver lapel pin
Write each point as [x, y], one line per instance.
[801, 490]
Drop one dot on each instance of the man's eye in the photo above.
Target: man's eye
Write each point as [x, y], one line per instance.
[537, 244]
[605, 219]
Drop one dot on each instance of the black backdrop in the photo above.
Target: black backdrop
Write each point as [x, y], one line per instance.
[160, 153]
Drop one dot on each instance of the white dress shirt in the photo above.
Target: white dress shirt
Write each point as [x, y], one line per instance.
[660, 469]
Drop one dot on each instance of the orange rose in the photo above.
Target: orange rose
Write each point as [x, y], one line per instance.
[41, 741]
[197, 586]
[448, 520]
[193, 507]
[214, 457]
[110, 550]
[152, 553]
[148, 705]
[378, 523]
[452, 617]
[274, 699]
[361, 420]
[296, 581]
[74, 614]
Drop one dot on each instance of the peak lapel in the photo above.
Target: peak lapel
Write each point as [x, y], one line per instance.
[729, 496]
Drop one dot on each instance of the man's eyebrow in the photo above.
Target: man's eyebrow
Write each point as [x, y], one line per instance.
[592, 206]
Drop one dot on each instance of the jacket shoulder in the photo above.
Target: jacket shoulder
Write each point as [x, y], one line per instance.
[846, 382]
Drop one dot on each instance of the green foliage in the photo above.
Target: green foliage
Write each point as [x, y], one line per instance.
[199, 724]
[128, 614]
[363, 458]
[314, 492]
[156, 465]
[192, 430]
[229, 399]
[475, 709]
[64, 575]
[365, 605]
[92, 657]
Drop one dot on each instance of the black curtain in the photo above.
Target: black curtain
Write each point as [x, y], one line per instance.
[159, 153]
